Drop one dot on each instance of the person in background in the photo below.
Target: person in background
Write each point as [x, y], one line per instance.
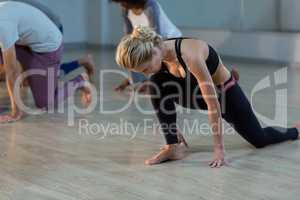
[85, 61]
[147, 13]
[22, 51]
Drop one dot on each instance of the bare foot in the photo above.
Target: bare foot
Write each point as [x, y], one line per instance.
[297, 126]
[124, 84]
[181, 140]
[168, 153]
[86, 96]
[89, 65]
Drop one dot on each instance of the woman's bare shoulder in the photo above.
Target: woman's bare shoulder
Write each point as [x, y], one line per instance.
[195, 49]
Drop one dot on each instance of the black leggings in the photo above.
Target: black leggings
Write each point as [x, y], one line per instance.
[168, 90]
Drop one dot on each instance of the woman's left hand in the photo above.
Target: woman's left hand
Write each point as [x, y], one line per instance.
[10, 118]
[143, 88]
[219, 159]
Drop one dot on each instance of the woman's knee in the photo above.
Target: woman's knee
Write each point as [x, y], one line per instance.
[258, 140]
[259, 145]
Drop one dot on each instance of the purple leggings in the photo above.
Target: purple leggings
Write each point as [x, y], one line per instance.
[44, 87]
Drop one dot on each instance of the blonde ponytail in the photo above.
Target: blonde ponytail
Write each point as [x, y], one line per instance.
[137, 48]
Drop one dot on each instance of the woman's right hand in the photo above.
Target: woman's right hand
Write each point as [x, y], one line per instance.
[11, 117]
[218, 158]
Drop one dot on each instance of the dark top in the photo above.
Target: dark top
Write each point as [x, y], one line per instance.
[212, 61]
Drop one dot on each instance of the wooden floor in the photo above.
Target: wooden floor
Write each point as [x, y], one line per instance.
[41, 158]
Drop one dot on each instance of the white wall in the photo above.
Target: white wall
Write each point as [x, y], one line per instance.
[255, 29]
[95, 22]
[108, 21]
[260, 15]
[223, 14]
[290, 15]
[271, 46]
[234, 25]
[203, 14]
[73, 14]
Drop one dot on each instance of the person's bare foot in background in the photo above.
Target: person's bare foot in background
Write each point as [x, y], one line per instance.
[85, 92]
[89, 65]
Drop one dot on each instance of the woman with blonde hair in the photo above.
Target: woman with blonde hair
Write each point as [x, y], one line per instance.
[194, 76]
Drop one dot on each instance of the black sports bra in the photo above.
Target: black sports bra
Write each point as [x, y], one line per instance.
[212, 61]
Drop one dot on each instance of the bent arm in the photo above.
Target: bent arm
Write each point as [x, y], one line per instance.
[127, 24]
[153, 13]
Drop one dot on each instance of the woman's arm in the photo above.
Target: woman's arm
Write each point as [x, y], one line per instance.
[127, 24]
[200, 71]
[153, 12]
[12, 71]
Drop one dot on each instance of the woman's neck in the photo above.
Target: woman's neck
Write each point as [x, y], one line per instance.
[169, 52]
